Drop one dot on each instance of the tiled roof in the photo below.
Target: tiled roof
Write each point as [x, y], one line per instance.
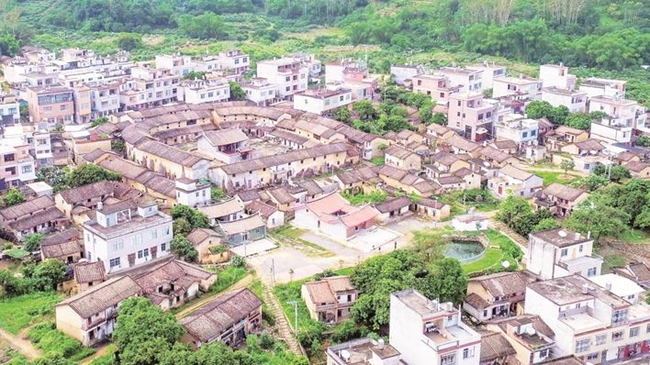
[242, 225]
[398, 152]
[494, 346]
[516, 173]
[563, 192]
[87, 272]
[281, 195]
[170, 153]
[326, 289]
[265, 210]
[90, 191]
[224, 208]
[503, 284]
[225, 137]
[393, 204]
[27, 208]
[102, 296]
[198, 235]
[46, 216]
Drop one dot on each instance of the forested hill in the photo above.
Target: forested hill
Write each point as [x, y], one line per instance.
[608, 34]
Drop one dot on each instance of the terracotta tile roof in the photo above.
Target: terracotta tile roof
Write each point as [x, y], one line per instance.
[209, 321]
[505, 144]
[360, 216]
[449, 180]
[173, 271]
[431, 203]
[398, 152]
[495, 346]
[169, 153]
[127, 168]
[265, 210]
[69, 234]
[102, 296]
[248, 195]
[445, 158]
[224, 208]
[462, 144]
[562, 130]
[87, 272]
[45, 216]
[393, 204]
[61, 250]
[476, 301]
[27, 208]
[281, 195]
[242, 225]
[503, 284]
[289, 136]
[437, 129]
[90, 191]
[291, 156]
[494, 154]
[637, 166]
[198, 235]
[515, 173]
[96, 154]
[326, 289]
[590, 145]
[225, 137]
[311, 186]
[563, 192]
[334, 207]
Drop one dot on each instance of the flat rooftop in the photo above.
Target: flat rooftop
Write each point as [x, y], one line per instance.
[582, 322]
[360, 351]
[561, 237]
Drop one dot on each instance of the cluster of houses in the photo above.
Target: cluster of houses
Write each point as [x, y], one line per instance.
[560, 311]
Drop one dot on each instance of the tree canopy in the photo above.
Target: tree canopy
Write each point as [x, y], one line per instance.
[91, 173]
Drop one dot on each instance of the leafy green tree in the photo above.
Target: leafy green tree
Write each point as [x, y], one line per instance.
[9, 45]
[144, 333]
[236, 92]
[619, 172]
[99, 121]
[595, 216]
[544, 224]
[365, 109]
[129, 41]
[91, 173]
[539, 109]
[567, 165]
[32, 242]
[217, 194]
[13, 197]
[643, 141]
[181, 227]
[579, 121]
[184, 249]
[58, 179]
[342, 114]
[439, 118]
[117, 145]
[49, 273]
[448, 280]
[194, 75]
[193, 216]
[205, 26]
[594, 182]
[511, 208]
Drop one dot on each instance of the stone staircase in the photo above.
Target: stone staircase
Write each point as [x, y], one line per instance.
[281, 323]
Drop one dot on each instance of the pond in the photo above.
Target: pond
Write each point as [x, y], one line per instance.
[464, 252]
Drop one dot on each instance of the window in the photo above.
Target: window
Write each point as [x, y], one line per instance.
[114, 262]
[591, 272]
[448, 359]
[564, 252]
[26, 169]
[592, 356]
[580, 248]
[468, 352]
[118, 245]
[634, 331]
[647, 328]
[146, 252]
[617, 336]
[163, 247]
[140, 254]
[154, 234]
[601, 339]
[619, 316]
[582, 345]
[533, 133]
[524, 134]
[543, 353]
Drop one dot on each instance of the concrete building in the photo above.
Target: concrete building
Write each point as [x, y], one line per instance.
[261, 92]
[427, 332]
[54, 105]
[494, 296]
[439, 87]
[234, 62]
[611, 131]
[322, 101]
[105, 98]
[514, 127]
[204, 91]
[520, 88]
[242, 230]
[590, 321]
[17, 166]
[329, 299]
[192, 193]
[511, 180]
[148, 87]
[469, 115]
[559, 199]
[124, 235]
[557, 76]
[489, 73]
[288, 74]
[363, 351]
[559, 252]
[469, 80]
[179, 65]
[532, 339]
[575, 100]
[9, 109]
[402, 73]
[603, 87]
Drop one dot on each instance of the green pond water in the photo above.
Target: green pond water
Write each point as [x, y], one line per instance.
[463, 250]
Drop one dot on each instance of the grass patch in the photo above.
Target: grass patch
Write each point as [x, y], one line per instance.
[290, 292]
[18, 312]
[378, 161]
[289, 231]
[53, 342]
[107, 359]
[227, 278]
[612, 261]
[635, 236]
[551, 177]
[493, 256]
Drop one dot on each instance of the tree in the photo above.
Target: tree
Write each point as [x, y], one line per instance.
[342, 114]
[539, 109]
[194, 75]
[619, 172]
[144, 333]
[567, 165]
[511, 208]
[217, 194]
[91, 173]
[49, 274]
[579, 121]
[194, 217]
[129, 41]
[205, 26]
[439, 118]
[643, 141]
[32, 242]
[13, 197]
[594, 215]
[9, 45]
[448, 280]
[594, 181]
[99, 121]
[547, 223]
[58, 179]
[181, 227]
[365, 109]
[236, 92]
[184, 249]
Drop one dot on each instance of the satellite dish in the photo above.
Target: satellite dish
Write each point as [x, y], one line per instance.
[505, 264]
[530, 331]
[562, 234]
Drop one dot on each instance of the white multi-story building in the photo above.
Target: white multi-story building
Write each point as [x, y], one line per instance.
[490, 72]
[125, 234]
[261, 92]
[204, 91]
[427, 332]
[603, 87]
[148, 87]
[598, 321]
[469, 80]
[314, 66]
[234, 62]
[557, 76]
[9, 109]
[192, 193]
[288, 74]
[105, 98]
[575, 100]
[518, 87]
[38, 139]
[559, 252]
[322, 101]
[516, 128]
[179, 65]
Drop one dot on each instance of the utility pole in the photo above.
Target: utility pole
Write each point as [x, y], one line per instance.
[295, 309]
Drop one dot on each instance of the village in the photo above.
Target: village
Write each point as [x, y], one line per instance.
[274, 204]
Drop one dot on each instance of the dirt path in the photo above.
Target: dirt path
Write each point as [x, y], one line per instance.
[281, 323]
[247, 280]
[101, 351]
[22, 345]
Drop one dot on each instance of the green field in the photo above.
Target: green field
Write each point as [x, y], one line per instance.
[551, 177]
[18, 312]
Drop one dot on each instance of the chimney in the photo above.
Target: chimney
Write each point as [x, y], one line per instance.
[577, 235]
[608, 286]
[100, 205]
[585, 288]
[589, 235]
